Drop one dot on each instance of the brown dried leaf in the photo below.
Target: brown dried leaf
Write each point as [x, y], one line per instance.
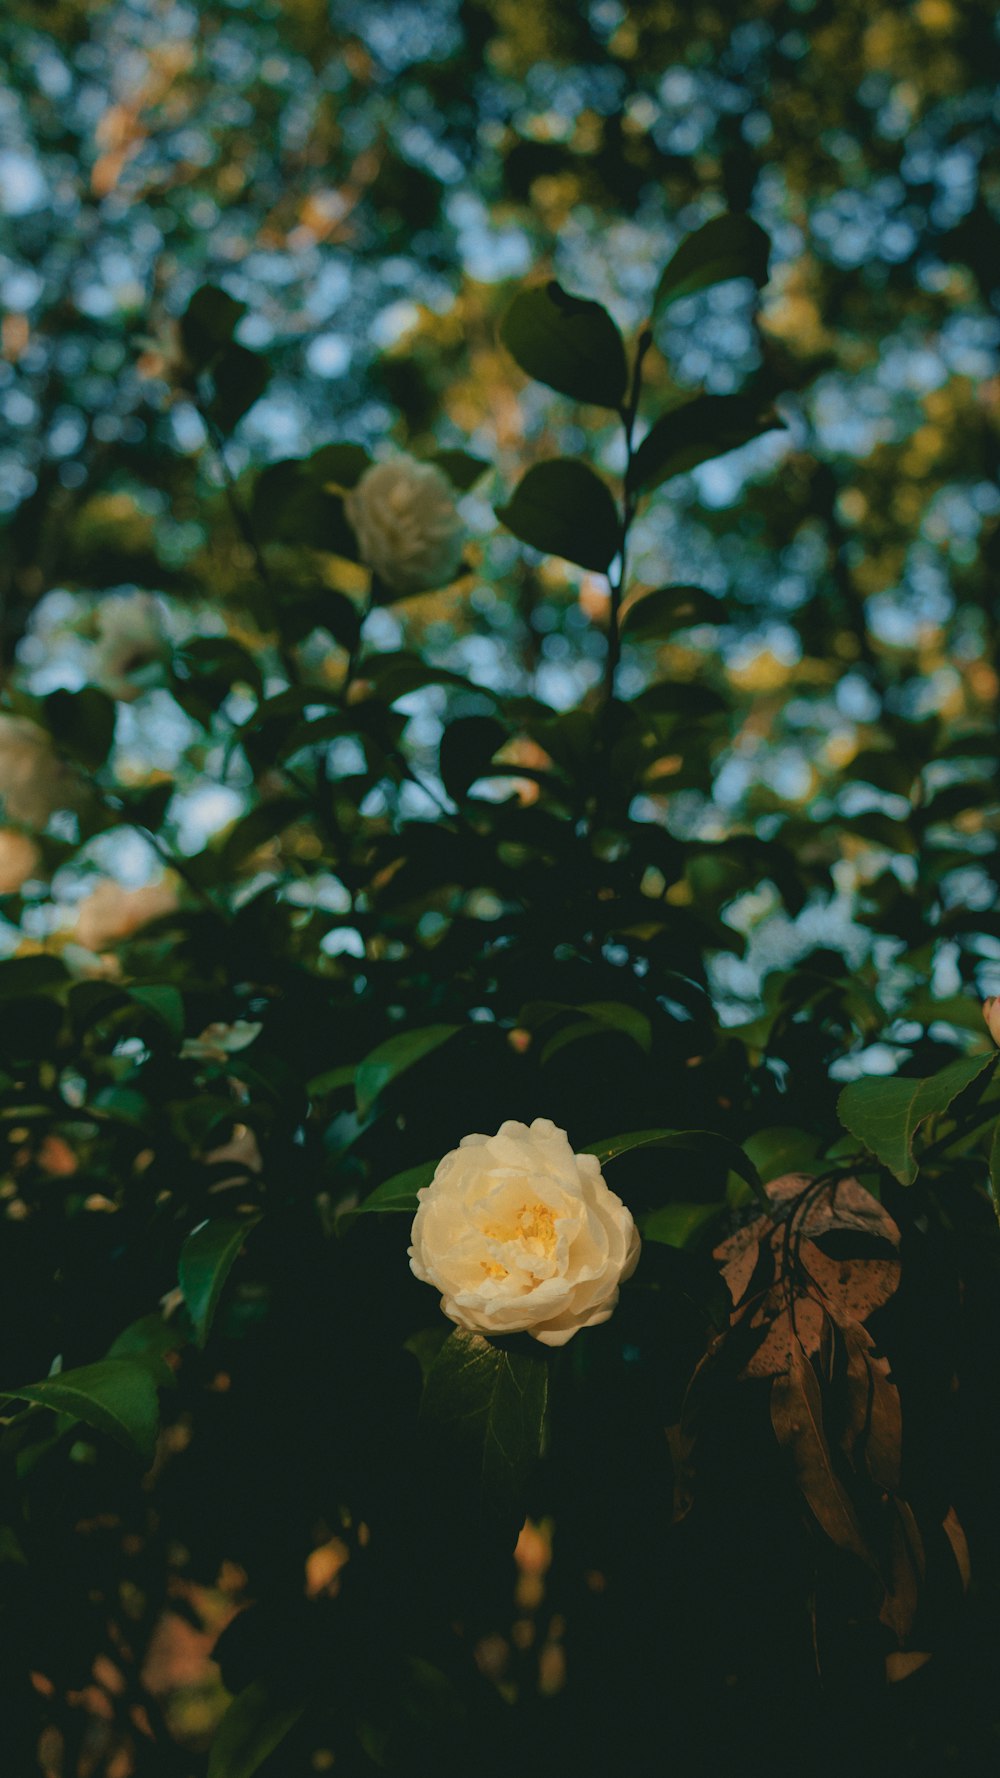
[899, 1607]
[853, 1287]
[843, 1204]
[797, 1418]
[773, 1355]
[874, 1430]
[739, 1256]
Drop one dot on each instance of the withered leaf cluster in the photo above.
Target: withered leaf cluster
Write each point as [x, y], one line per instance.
[804, 1280]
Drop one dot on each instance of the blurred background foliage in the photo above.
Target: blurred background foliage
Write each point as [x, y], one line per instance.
[371, 183]
[780, 869]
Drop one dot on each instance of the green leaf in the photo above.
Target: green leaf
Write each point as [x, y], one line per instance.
[994, 1166]
[147, 1341]
[466, 750]
[206, 1260]
[600, 1017]
[486, 1403]
[669, 608]
[885, 1114]
[461, 467]
[239, 378]
[338, 465]
[208, 323]
[562, 508]
[782, 1149]
[395, 675]
[116, 1396]
[212, 665]
[396, 1194]
[707, 426]
[393, 1057]
[567, 342]
[964, 1011]
[257, 1722]
[20, 976]
[726, 247]
[702, 1142]
[254, 829]
[291, 503]
[165, 1001]
[82, 722]
[675, 1224]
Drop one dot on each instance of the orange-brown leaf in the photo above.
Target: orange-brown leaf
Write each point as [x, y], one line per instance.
[797, 1418]
[773, 1356]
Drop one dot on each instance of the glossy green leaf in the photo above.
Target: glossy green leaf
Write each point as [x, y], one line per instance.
[706, 427]
[886, 1114]
[725, 247]
[676, 1224]
[148, 1341]
[567, 342]
[563, 509]
[393, 1057]
[116, 1396]
[782, 1149]
[257, 1721]
[487, 1401]
[669, 608]
[398, 1194]
[701, 1142]
[206, 1260]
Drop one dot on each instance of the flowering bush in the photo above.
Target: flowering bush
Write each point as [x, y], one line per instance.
[682, 1378]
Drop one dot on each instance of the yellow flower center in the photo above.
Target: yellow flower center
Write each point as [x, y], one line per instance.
[533, 1225]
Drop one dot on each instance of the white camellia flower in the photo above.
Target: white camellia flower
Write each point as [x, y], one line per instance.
[19, 860]
[519, 1234]
[403, 515]
[131, 644]
[34, 781]
[112, 913]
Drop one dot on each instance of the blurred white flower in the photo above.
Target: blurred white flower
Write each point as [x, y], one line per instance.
[131, 645]
[519, 1234]
[111, 913]
[34, 780]
[408, 531]
[19, 860]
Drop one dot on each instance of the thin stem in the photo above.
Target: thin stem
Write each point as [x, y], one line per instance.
[617, 581]
[244, 525]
